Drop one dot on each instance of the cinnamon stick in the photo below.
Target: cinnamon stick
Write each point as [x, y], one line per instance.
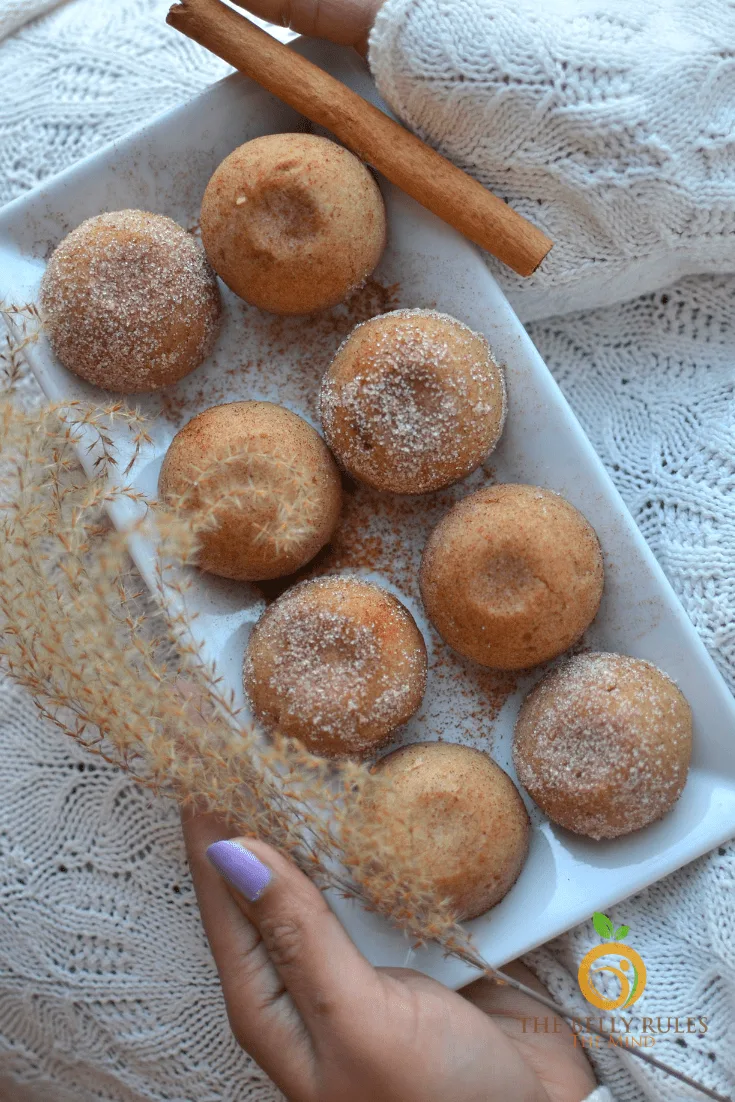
[399, 155]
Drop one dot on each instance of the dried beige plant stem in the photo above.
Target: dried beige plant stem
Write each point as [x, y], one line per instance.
[279, 495]
[118, 669]
[22, 325]
[106, 662]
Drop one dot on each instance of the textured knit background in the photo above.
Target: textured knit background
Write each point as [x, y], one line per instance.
[617, 132]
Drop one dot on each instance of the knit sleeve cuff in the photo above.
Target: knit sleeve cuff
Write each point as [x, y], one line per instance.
[386, 52]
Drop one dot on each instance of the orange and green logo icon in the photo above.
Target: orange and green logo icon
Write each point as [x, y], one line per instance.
[625, 964]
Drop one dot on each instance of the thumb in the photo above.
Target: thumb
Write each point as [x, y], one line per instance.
[319, 965]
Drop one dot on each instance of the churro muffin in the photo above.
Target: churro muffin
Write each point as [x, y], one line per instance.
[412, 401]
[602, 744]
[338, 663]
[456, 816]
[293, 222]
[130, 302]
[262, 485]
[512, 576]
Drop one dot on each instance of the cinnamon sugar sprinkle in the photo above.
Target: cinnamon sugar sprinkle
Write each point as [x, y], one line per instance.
[328, 669]
[414, 402]
[606, 735]
[118, 295]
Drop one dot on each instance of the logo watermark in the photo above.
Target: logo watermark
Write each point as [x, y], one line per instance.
[627, 966]
[623, 962]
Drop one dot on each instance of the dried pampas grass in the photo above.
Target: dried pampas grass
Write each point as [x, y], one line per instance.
[115, 666]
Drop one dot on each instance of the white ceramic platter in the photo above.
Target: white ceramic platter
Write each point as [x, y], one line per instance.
[165, 167]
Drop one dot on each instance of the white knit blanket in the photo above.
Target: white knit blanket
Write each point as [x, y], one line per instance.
[614, 127]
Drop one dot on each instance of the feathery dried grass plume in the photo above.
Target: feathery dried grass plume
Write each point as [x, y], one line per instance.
[254, 481]
[117, 668]
[22, 325]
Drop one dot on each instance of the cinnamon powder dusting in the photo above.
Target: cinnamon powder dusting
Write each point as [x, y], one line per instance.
[276, 358]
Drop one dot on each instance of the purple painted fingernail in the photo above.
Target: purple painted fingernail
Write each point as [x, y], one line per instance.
[241, 868]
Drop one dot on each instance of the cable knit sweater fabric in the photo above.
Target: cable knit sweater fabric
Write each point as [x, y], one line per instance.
[612, 126]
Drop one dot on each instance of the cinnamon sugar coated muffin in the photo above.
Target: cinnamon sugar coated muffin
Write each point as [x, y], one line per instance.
[293, 222]
[603, 743]
[455, 815]
[512, 576]
[338, 663]
[412, 402]
[130, 302]
[262, 484]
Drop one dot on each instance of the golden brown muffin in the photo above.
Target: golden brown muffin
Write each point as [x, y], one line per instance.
[455, 815]
[293, 223]
[266, 481]
[130, 302]
[603, 743]
[412, 402]
[512, 576]
[338, 663]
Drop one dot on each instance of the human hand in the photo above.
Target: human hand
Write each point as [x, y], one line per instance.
[347, 22]
[325, 1025]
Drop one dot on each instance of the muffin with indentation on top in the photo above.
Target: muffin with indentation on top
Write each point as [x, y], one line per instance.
[449, 815]
[260, 484]
[130, 302]
[412, 402]
[293, 223]
[602, 744]
[512, 576]
[338, 663]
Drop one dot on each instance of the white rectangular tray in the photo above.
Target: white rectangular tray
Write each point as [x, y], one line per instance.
[164, 167]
